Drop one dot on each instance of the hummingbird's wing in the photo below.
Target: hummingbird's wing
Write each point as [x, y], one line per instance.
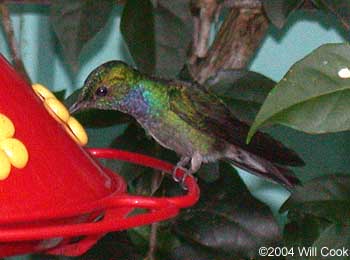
[205, 112]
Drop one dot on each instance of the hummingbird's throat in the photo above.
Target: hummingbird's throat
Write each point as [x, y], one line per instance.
[135, 104]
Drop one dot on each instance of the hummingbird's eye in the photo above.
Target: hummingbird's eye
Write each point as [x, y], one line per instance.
[101, 91]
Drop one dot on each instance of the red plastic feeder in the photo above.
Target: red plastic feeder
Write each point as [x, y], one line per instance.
[62, 201]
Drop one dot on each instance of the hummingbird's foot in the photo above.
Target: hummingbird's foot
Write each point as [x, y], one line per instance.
[181, 166]
[175, 174]
[182, 179]
[196, 162]
[187, 173]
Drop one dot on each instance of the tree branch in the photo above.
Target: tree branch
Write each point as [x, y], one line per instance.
[152, 241]
[204, 12]
[157, 180]
[242, 3]
[235, 43]
[15, 52]
[39, 2]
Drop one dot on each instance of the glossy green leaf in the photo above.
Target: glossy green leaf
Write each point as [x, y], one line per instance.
[323, 237]
[103, 118]
[140, 236]
[167, 241]
[75, 22]
[339, 8]
[326, 197]
[115, 245]
[228, 220]
[196, 252]
[278, 11]
[334, 243]
[319, 215]
[60, 95]
[303, 232]
[158, 37]
[314, 96]
[137, 28]
[209, 172]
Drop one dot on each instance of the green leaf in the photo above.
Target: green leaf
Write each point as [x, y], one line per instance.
[303, 232]
[243, 91]
[322, 153]
[228, 220]
[60, 95]
[192, 251]
[113, 246]
[209, 172]
[157, 36]
[139, 237]
[313, 96]
[312, 232]
[166, 239]
[319, 215]
[326, 197]
[333, 238]
[95, 118]
[137, 28]
[278, 11]
[75, 22]
[339, 8]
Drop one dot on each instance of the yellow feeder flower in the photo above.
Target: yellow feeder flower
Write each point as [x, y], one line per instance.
[42, 91]
[5, 163]
[77, 130]
[12, 151]
[57, 108]
[15, 151]
[7, 129]
[61, 114]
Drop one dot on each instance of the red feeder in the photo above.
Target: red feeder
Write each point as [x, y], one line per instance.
[62, 201]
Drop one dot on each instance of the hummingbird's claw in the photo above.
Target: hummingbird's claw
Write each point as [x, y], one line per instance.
[181, 180]
[174, 173]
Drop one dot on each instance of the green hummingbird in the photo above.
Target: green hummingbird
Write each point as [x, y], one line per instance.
[188, 119]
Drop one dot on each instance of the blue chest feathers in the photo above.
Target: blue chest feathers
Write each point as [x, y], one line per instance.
[135, 104]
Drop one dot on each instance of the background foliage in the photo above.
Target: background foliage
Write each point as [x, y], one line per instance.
[197, 40]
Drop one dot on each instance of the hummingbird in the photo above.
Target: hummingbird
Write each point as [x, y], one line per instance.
[187, 118]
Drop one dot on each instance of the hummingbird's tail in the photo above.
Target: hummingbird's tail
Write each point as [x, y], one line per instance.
[261, 167]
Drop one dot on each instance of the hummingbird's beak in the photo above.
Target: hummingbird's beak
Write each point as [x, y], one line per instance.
[78, 106]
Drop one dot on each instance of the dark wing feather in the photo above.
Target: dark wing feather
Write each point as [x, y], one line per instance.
[204, 111]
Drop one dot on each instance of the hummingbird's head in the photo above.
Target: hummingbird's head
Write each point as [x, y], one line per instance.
[106, 87]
